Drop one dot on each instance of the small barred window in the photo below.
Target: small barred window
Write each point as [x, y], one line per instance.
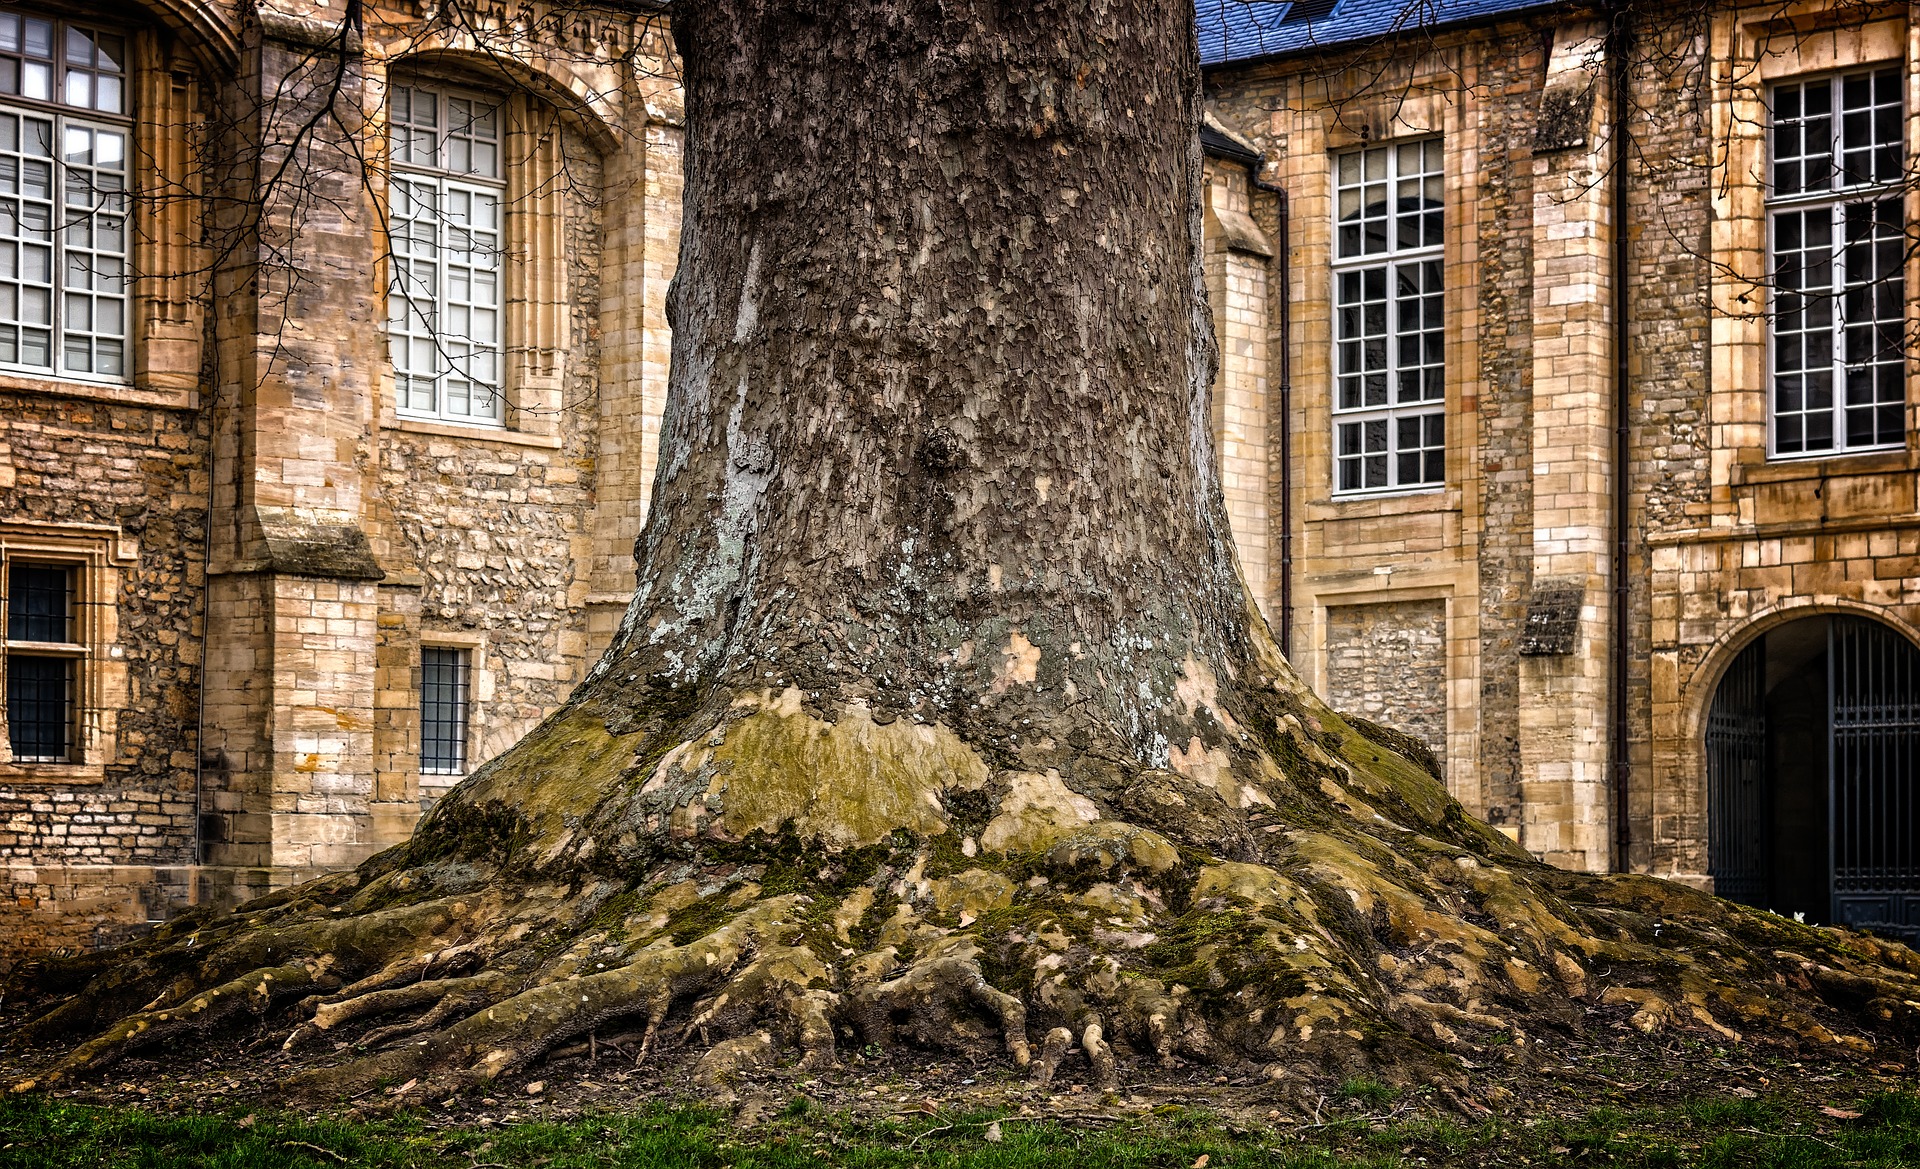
[444, 689]
[43, 660]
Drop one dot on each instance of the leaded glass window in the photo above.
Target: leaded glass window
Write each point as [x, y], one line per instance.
[63, 198]
[1838, 244]
[444, 320]
[1389, 392]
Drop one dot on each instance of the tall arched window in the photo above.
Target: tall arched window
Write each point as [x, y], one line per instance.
[64, 181]
[446, 220]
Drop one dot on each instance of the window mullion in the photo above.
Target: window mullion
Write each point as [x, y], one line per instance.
[442, 367]
[1837, 328]
[1394, 326]
[57, 313]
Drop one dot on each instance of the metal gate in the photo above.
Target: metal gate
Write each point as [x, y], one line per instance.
[1739, 799]
[1874, 768]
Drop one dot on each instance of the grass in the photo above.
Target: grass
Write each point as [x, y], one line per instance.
[1764, 1133]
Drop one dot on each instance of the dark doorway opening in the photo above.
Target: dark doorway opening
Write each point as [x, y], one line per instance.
[1813, 775]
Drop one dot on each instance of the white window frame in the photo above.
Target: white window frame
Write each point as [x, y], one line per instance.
[85, 246]
[1388, 413]
[445, 338]
[1882, 375]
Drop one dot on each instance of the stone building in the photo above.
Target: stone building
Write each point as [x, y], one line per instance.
[325, 490]
[332, 350]
[1597, 465]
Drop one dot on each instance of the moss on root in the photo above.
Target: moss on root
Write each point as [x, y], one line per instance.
[1350, 916]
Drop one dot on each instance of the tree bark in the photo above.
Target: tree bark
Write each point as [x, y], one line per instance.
[937, 443]
[940, 715]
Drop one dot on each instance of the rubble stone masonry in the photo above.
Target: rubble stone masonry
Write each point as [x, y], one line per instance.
[122, 490]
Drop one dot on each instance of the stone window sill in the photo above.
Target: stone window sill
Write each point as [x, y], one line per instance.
[120, 393]
[550, 442]
[1825, 467]
[52, 773]
[1412, 502]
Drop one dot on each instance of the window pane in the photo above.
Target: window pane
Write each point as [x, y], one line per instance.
[1870, 128]
[1389, 318]
[40, 707]
[443, 710]
[1802, 137]
[26, 255]
[1802, 325]
[94, 250]
[40, 603]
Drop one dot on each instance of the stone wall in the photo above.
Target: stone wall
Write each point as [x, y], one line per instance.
[1670, 454]
[1722, 541]
[1387, 662]
[1466, 546]
[493, 527]
[123, 489]
[1239, 272]
[343, 535]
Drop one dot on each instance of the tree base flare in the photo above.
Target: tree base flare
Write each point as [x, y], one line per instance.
[1402, 943]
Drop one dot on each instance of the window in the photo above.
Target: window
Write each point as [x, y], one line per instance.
[1389, 415]
[63, 198]
[445, 209]
[1838, 237]
[43, 659]
[444, 675]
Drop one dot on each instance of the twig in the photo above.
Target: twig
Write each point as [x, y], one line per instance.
[1370, 1118]
[315, 1148]
[1778, 1136]
[926, 1134]
[1100, 1116]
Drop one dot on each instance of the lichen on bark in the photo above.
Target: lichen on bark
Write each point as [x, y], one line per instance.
[940, 717]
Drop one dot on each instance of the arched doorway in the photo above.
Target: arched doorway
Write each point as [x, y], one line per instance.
[1813, 775]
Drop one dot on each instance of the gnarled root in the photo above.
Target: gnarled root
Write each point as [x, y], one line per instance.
[515, 1031]
[448, 998]
[253, 993]
[936, 1001]
[1328, 949]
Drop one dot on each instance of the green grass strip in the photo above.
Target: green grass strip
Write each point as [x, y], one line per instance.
[1766, 1133]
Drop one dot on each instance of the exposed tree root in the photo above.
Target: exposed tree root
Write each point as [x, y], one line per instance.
[253, 994]
[1366, 924]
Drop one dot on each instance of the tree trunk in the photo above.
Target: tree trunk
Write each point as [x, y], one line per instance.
[940, 713]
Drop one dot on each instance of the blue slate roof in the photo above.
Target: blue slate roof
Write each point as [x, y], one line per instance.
[1242, 30]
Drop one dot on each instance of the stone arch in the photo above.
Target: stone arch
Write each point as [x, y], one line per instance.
[595, 115]
[1698, 688]
[1702, 684]
[206, 30]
